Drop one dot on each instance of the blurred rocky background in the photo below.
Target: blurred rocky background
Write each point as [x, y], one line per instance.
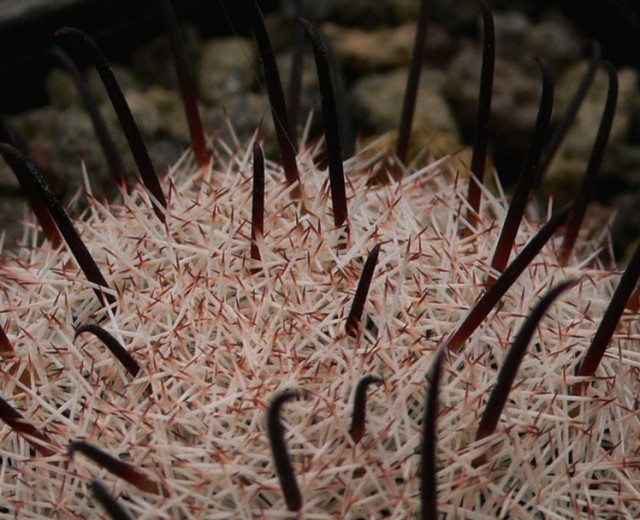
[372, 42]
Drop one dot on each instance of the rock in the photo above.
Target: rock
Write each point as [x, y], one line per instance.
[281, 31]
[63, 93]
[359, 13]
[165, 153]
[145, 113]
[25, 11]
[61, 89]
[246, 111]
[622, 166]
[36, 127]
[13, 212]
[516, 96]
[170, 109]
[580, 138]
[568, 167]
[554, 40]
[153, 63]
[364, 13]
[368, 51]
[512, 29]
[377, 104]
[404, 10]
[310, 97]
[520, 40]
[74, 142]
[125, 77]
[227, 67]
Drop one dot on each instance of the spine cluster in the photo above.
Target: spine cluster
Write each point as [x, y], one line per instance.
[378, 339]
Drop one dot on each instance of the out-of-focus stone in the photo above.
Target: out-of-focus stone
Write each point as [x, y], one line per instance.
[153, 62]
[377, 104]
[516, 95]
[228, 66]
[367, 51]
[570, 162]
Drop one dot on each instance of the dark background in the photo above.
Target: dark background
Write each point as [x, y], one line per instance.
[117, 26]
[120, 25]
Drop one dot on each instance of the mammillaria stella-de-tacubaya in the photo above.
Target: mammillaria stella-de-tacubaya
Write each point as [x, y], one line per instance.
[207, 346]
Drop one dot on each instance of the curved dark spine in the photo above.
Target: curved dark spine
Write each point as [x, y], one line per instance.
[491, 297]
[257, 206]
[15, 421]
[11, 135]
[609, 322]
[130, 128]
[507, 374]
[198, 141]
[295, 79]
[481, 132]
[115, 466]
[352, 324]
[347, 133]
[276, 98]
[593, 167]
[110, 504]
[331, 126]
[428, 463]
[557, 136]
[31, 181]
[525, 179]
[282, 461]
[413, 81]
[358, 419]
[102, 132]
[116, 348]
[37, 205]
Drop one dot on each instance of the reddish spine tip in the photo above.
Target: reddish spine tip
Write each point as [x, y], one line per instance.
[360, 407]
[130, 128]
[428, 463]
[352, 324]
[6, 348]
[633, 305]
[282, 461]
